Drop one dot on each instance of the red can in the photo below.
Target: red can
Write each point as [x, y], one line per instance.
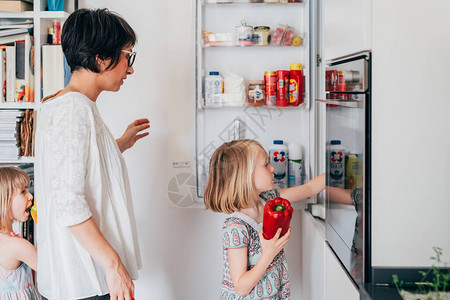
[282, 88]
[270, 79]
[56, 33]
[341, 86]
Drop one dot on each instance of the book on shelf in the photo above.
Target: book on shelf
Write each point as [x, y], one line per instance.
[14, 31]
[19, 68]
[52, 69]
[27, 133]
[15, 6]
[2, 73]
[10, 73]
[16, 133]
[14, 24]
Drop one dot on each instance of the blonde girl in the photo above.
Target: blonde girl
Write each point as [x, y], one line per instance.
[17, 255]
[240, 182]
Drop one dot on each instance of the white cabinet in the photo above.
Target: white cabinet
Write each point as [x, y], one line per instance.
[323, 276]
[347, 26]
[338, 284]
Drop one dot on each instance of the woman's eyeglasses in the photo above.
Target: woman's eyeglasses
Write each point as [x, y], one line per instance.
[131, 56]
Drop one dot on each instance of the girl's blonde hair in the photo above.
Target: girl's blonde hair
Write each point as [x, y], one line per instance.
[11, 178]
[230, 182]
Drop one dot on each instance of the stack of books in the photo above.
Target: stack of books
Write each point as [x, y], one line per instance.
[10, 121]
[16, 5]
[16, 62]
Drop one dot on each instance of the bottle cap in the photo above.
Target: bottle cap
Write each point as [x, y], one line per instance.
[296, 66]
[214, 73]
[295, 151]
[335, 142]
[278, 142]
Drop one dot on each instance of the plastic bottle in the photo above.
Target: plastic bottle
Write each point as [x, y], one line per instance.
[213, 89]
[336, 164]
[295, 84]
[295, 172]
[278, 154]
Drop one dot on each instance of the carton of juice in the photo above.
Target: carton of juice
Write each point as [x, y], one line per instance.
[353, 177]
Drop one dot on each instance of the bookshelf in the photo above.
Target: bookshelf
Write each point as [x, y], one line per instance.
[42, 20]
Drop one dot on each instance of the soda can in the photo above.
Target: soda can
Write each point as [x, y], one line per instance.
[56, 33]
[282, 88]
[270, 79]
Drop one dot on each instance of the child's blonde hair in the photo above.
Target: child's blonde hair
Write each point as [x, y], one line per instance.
[230, 182]
[10, 178]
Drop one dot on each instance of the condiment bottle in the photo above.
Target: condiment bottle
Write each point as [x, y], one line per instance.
[296, 84]
[256, 92]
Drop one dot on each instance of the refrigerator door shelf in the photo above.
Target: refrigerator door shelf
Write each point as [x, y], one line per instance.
[343, 103]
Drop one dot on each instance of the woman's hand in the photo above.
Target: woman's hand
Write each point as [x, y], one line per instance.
[132, 134]
[270, 248]
[120, 285]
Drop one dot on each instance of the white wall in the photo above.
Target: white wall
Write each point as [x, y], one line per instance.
[411, 131]
[181, 248]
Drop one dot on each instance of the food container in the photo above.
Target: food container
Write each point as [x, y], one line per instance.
[261, 36]
[256, 92]
[270, 79]
[244, 34]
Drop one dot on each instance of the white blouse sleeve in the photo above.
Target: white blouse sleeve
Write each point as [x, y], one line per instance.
[68, 156]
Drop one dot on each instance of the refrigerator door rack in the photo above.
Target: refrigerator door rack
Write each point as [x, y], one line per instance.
[215, 120]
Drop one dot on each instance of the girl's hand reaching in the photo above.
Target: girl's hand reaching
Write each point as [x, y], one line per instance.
[270, 248]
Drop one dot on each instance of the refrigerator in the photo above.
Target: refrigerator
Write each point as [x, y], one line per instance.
[340, 113]
[218, 49]
[348, 162]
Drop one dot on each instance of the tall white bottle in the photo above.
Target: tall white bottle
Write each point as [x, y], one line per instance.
[278, 154]
[213, 89]
[295, 172]
[336, 164]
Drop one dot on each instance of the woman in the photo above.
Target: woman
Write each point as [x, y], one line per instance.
[87, 242]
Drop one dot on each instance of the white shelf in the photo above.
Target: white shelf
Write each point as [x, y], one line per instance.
[22, 159]
[225, 3]
[16, 15]
[17, 105]
[52, 14]
[32, 14]
[344, 103]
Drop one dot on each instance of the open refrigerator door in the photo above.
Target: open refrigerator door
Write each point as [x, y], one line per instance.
[243, 49]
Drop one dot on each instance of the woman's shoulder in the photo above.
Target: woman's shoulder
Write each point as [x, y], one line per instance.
[70, 100]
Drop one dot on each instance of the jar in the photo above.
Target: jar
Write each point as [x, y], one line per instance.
[256, 92]
[244, 34]
[261, 36]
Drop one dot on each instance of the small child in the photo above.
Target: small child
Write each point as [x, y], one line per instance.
[17, 254]
[240, 182]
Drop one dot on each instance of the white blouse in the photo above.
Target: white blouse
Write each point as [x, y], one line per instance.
[81, 174]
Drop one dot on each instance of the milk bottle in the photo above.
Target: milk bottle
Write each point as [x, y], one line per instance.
[295, 172]
[213, 89]
[336, 164]
[278, 154]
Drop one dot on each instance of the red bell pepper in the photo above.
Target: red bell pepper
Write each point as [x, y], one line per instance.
[277, 214]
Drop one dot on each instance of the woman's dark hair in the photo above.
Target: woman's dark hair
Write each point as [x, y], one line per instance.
[88, 34]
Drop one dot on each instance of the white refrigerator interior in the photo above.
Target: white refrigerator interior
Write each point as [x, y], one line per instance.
[216, 125]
